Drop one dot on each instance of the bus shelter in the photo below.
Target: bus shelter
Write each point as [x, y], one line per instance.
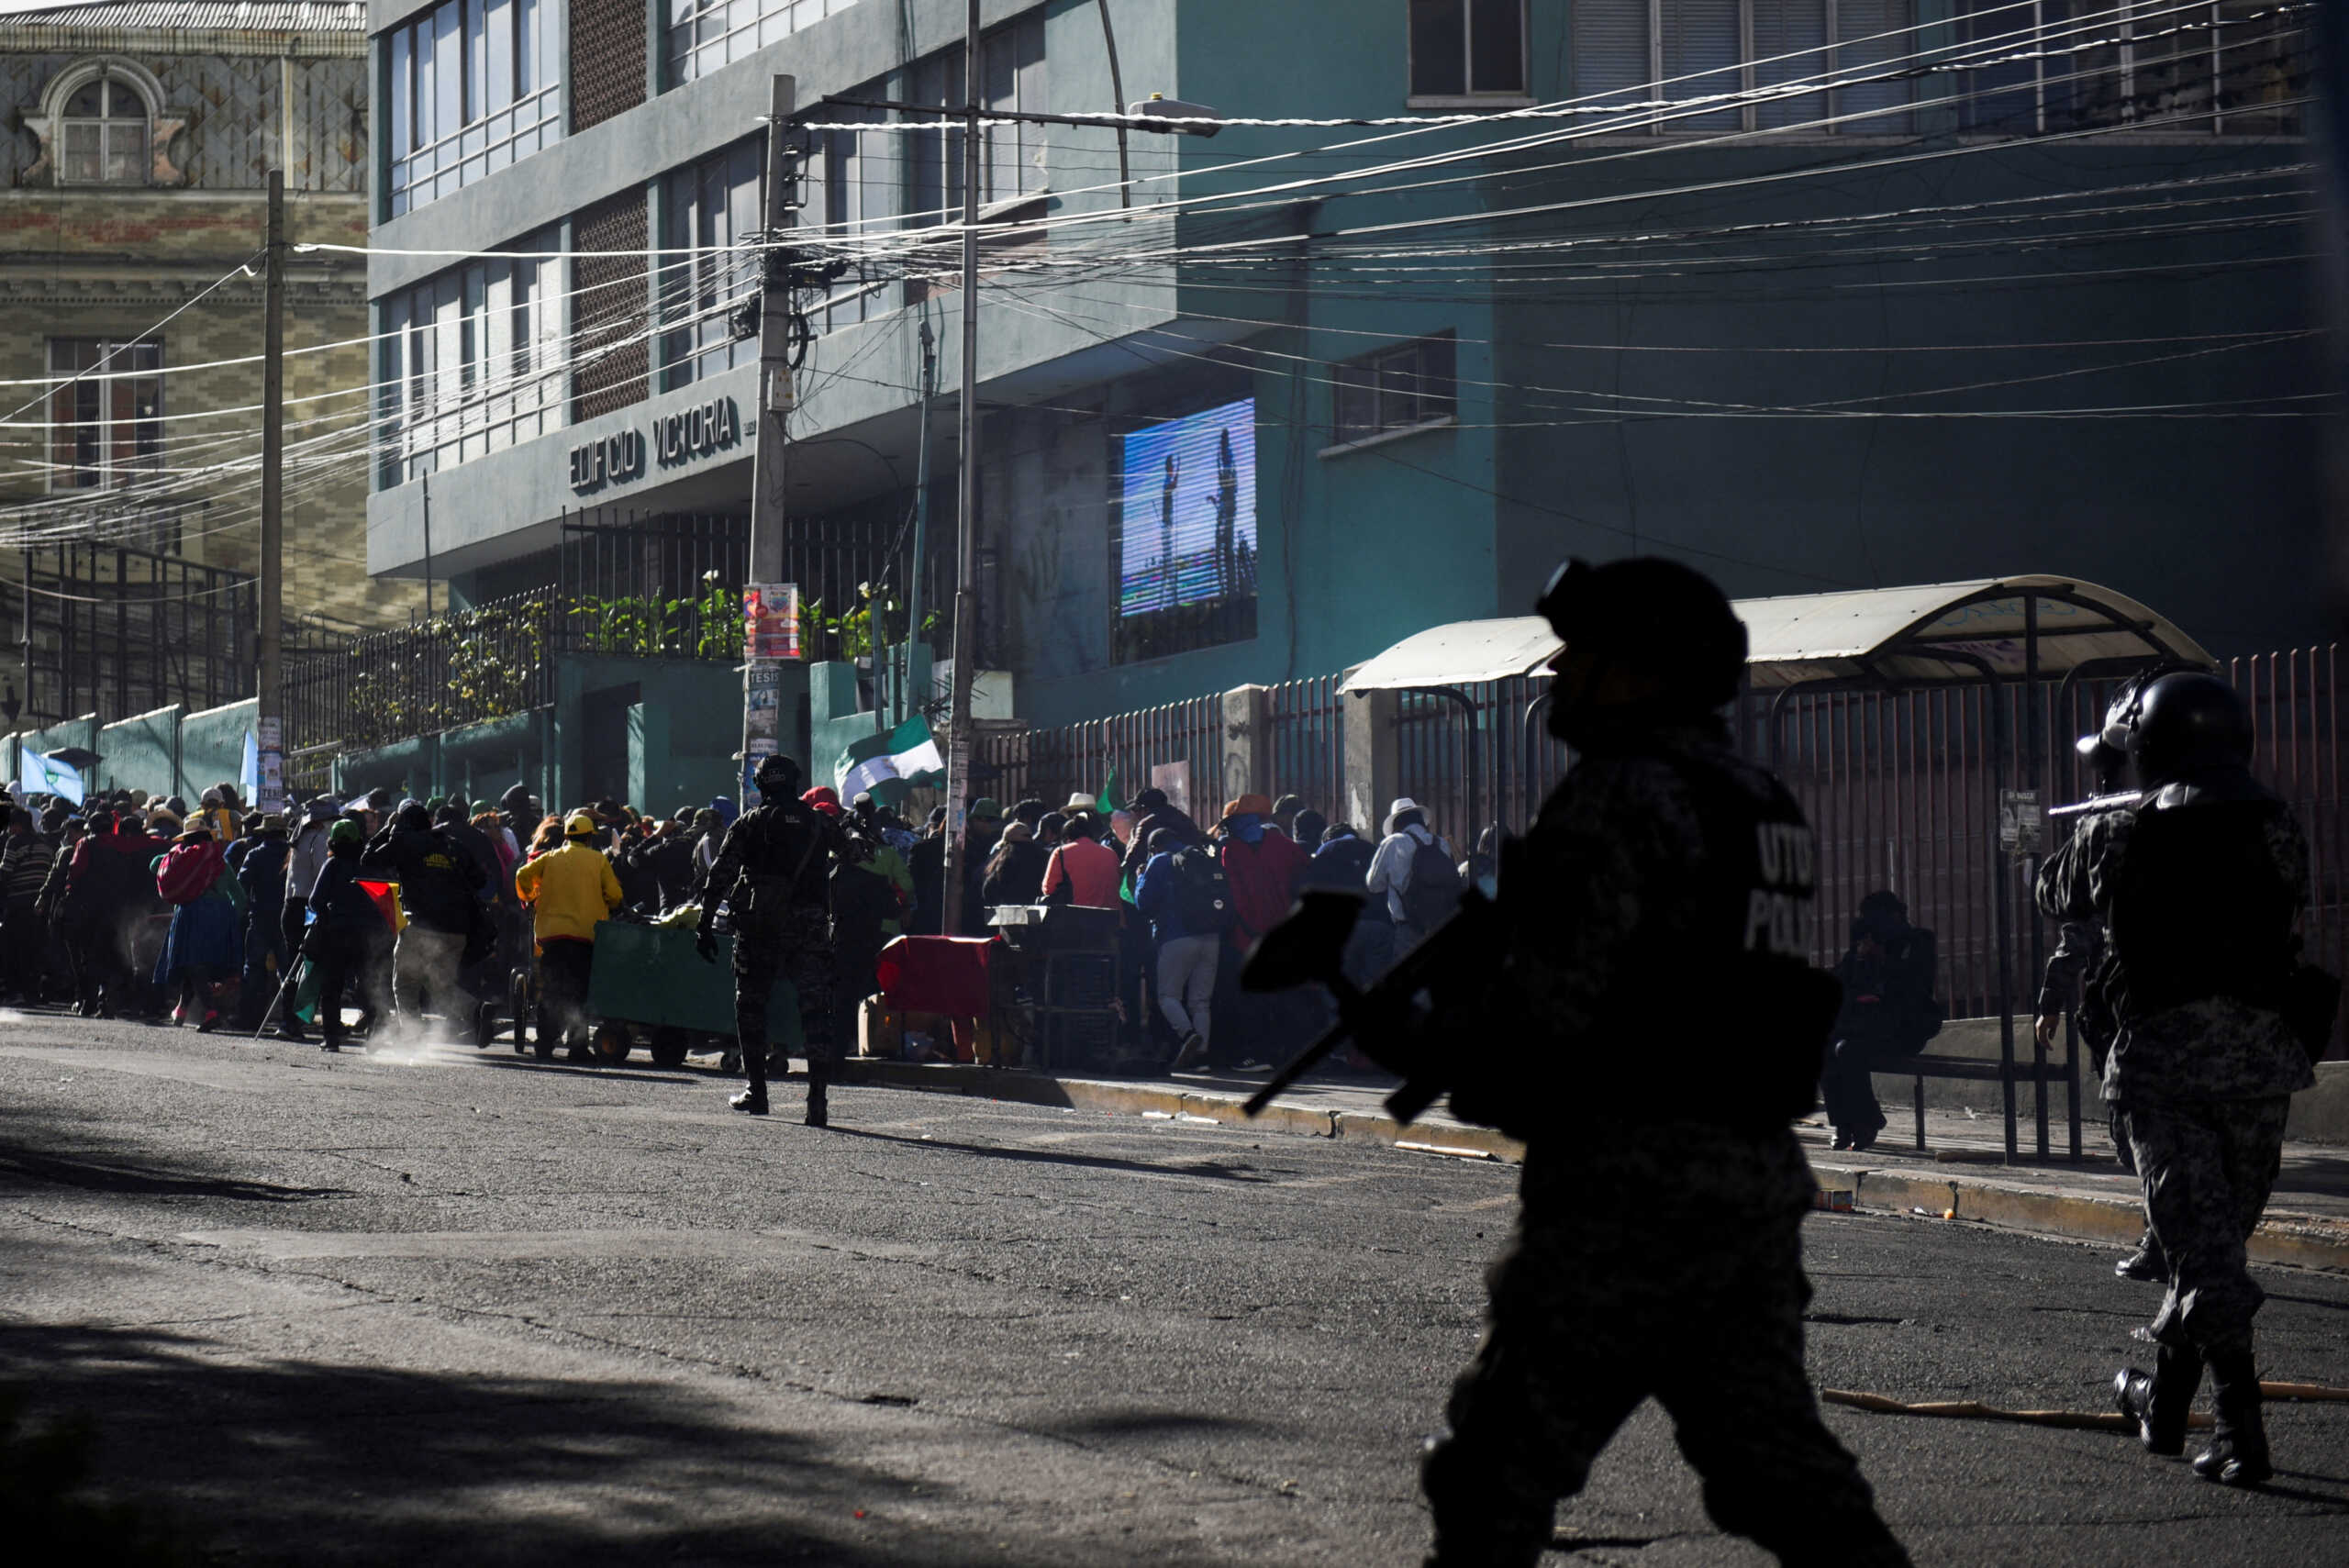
[1926, 728]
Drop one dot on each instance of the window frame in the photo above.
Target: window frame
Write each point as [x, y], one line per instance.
[1888, 121]
[1470, 97]
[108, 125]
[456, 380]
[145, 427]
[1368, 374]
[692, 253]
[474, 130]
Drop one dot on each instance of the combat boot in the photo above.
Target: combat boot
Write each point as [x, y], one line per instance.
[2238, 1453]
[2147, 1263]
[819, 1105]
[752, 1101]
[2159, 1403]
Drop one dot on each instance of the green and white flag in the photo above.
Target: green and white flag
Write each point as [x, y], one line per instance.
[905, 754]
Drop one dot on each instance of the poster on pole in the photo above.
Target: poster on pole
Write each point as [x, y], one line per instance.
[265, 785]
[762, 704]
[770, 621]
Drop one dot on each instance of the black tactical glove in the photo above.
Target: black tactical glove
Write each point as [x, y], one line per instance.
[705, 939]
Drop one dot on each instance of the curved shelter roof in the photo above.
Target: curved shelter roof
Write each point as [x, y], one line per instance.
[1926, 634]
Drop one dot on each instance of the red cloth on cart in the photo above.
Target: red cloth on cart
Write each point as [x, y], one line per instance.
[936, 975]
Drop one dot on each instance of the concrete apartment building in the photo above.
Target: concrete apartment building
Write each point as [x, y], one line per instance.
[1246, 440]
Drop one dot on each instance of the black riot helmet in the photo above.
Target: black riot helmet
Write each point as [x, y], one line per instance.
[1667, 619]
[777, 777]
[2185, 723]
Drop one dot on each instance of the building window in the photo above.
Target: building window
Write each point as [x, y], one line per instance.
[1468, 49]
[703, 35]
[707, 210]
[103, 133]
[859, 172]
[1635, 52]
[472, 362]
[1399, 389]
[1011, 157]
[470, 86]
[106, 426]
[2226, 69]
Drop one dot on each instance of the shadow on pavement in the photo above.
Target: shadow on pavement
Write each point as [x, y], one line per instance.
[1208, 1168]
[294, 1462]
[98, 1174]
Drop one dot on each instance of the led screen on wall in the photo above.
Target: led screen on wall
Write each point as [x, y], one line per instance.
[1188, 493]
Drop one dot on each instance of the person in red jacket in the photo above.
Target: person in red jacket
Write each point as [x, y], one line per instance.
[1263, 866]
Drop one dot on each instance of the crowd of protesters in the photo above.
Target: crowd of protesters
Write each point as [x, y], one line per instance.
[140, 907]
[1196, 897]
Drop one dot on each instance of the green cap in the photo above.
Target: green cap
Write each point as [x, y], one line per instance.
[346, 831]
[984, 809]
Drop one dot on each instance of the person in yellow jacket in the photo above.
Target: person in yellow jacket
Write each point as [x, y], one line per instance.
[568, 890]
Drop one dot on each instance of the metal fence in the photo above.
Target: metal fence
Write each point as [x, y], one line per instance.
[117, 632]
[1901, 787]
[460, 668]
[1179, 745]
[1309, 742]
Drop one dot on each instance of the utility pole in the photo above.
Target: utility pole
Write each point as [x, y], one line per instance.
[966, 518]
[921, 517]
[268, 726]
[763, 678]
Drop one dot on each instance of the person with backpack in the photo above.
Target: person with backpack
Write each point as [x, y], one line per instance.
[1889, 1014]
[207, 911]
[259, 860]
[1263, 866]
[1417, 873]
[1188, 900]
[347, 933]
[440, 884]
[868, 899]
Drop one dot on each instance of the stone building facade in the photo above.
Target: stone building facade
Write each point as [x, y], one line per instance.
[136, 140]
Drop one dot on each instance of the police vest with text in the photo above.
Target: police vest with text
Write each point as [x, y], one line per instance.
[1760, 1030]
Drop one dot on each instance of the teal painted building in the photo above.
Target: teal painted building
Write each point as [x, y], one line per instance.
[1813, 294]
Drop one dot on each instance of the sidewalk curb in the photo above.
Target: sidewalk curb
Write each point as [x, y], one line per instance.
[2305, 1241]
[1166, 1099]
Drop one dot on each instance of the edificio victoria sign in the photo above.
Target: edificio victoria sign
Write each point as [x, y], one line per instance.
[670, 439]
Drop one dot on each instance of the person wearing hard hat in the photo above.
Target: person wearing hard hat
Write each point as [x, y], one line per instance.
[569, 891]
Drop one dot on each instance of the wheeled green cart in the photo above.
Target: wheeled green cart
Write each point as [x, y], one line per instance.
[649, 981]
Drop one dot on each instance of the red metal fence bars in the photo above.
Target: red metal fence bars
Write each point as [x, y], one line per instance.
[2295, 697]
[1179, 744]
[1898, 788]
[1482, 757]
[1309, 742]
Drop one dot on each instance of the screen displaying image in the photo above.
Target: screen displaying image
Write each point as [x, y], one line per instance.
[1188, 495]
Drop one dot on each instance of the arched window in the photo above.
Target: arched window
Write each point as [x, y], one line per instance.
[102, 135]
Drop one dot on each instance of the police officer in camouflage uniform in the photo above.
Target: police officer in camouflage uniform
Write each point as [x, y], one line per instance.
[2199, 887]
[2074, 983]
[773, 871]
[1653, 997]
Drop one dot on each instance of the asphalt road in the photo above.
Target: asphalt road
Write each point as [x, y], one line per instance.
[456, 1308]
